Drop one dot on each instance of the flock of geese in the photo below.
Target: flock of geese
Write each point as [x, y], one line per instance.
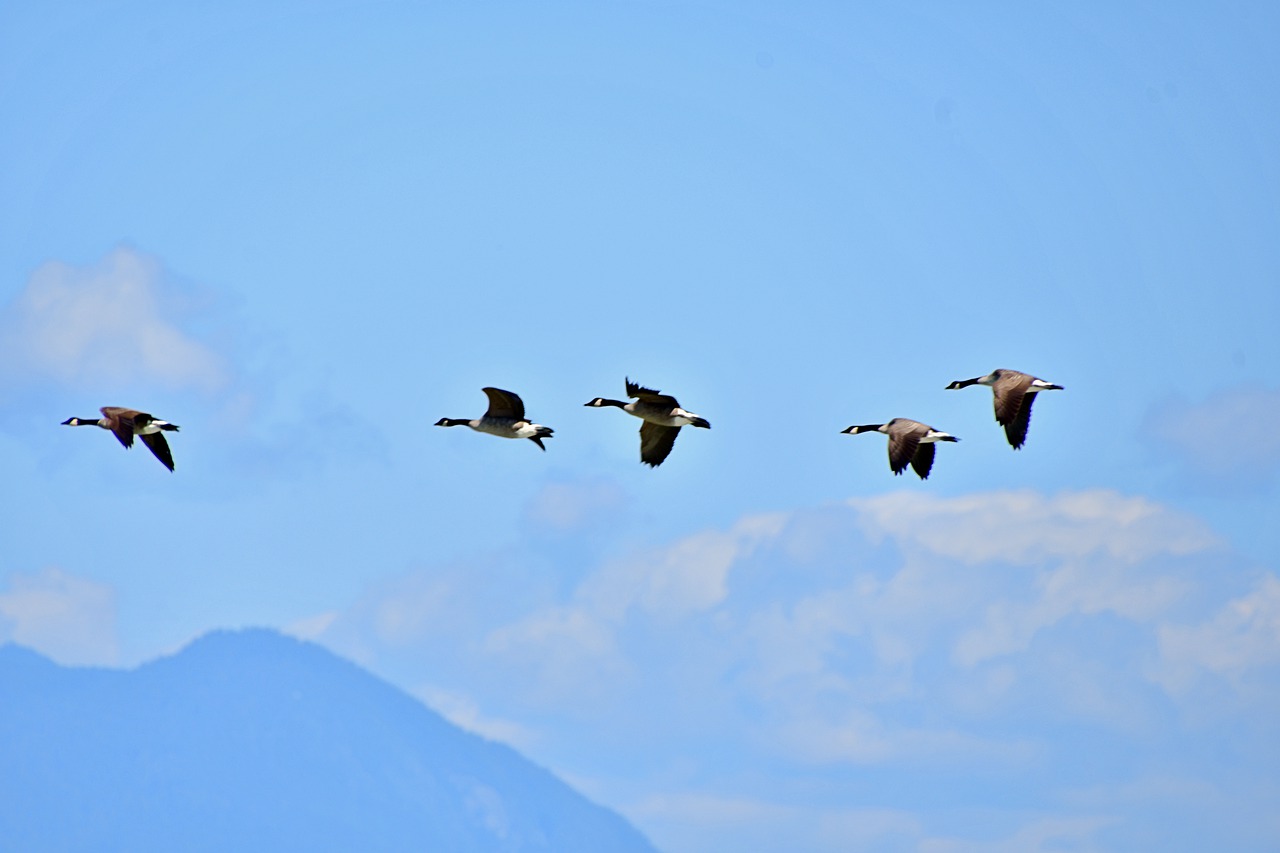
[910, 442]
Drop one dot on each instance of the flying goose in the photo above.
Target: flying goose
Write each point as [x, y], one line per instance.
[504, 418]
[662, 418]
[910, 443]
[124, 424]
[1014, 393]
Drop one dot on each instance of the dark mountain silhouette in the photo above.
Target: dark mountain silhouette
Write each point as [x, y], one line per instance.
[253, 741]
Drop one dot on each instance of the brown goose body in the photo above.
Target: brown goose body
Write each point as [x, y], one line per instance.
[1013, 394]
[910, 443]
[124, 424]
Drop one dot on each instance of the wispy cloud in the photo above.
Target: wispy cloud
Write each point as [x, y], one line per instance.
[1036, 835]
[570, 507]
[1227, 438]
[1027, 527]
[70, 619]
[118, 322]
[720, 822]
[463, 711]
[1238, 640]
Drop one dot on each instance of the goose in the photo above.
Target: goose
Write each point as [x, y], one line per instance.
[504, 418]
[1014, 393]
[124, 424]
[910, 443]
[662, 418]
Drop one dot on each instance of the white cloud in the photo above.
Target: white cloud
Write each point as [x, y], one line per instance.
[688, 576]
[69, 619]
[116, 322]
[1033, 560]
[1026, 527]
[1242, 636]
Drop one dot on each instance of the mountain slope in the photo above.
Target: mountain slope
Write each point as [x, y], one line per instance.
[254, 741]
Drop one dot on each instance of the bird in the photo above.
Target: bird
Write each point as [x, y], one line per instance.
[1014, 393]
[662, 418]
[124, 424]
[504, 418]
[910, 443]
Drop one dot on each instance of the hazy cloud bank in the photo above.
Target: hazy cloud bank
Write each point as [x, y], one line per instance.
[915, 637]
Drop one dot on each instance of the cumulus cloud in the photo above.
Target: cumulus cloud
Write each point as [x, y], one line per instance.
[118, 321]
[67, 618]
[976, 635]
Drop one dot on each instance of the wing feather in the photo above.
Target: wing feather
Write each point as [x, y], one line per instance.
[902, 449]
[120, 422]
[922, 462]
[504, 404]
[650, 396]
[1009, 391]
[1016, 429]
[656, 442]
[156, 443]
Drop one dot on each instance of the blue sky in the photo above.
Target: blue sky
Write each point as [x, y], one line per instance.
[306, 231]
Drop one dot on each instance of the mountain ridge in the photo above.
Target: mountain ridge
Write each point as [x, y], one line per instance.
[251, 740]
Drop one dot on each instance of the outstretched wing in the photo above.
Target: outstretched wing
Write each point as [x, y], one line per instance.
[1016, 429]
[650, 396]
[656, 442]
[1009, 391]
[156, 444]
[121, 422]
[902, 449]
[922, 462]
[504, 404]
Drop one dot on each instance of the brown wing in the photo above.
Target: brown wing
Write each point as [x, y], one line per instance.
[120, 422]
[650, 396]
[1016, 430]
[1009, 391]
[902, 448]
[922, 462]
[656, 442]
[504, 404]
[156, 444]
